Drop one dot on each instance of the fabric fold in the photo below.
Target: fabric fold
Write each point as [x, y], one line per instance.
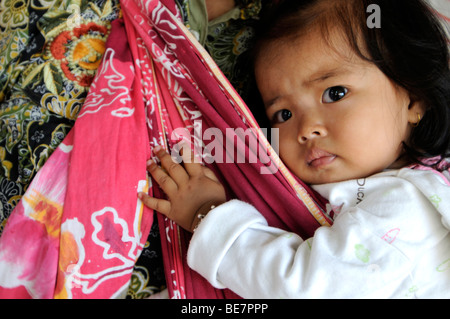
[156, 85]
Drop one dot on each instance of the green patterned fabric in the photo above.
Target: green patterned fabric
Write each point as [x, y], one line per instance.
[226, 38]
[49, 54]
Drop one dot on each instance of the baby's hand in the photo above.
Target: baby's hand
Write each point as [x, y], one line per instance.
[191, 190]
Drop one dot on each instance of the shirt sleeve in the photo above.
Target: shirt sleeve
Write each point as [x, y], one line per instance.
[235, 248]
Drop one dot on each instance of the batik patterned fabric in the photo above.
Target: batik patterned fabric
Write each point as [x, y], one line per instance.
[227, 38]
[63, 242]
[49, 54]
[227, 41]
[42, 93]
[79, 229]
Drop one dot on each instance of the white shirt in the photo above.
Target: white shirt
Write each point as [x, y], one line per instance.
[390, 239]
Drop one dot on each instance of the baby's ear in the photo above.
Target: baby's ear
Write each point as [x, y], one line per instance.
[416, 111]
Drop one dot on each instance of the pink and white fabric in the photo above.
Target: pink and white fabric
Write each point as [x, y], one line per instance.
[80, 228]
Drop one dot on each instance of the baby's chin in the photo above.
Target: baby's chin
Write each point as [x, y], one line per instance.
[318, 180]
[331, 177]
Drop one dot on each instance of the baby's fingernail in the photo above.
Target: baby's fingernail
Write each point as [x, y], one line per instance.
[157, 149]
[151, 165]
[140, 195]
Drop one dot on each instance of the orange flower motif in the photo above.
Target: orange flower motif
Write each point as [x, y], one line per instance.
[79, 52]
[88, 53]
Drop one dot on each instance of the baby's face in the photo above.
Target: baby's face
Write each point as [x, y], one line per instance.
[339, 117]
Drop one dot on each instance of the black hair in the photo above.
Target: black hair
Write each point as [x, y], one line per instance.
[409, 46]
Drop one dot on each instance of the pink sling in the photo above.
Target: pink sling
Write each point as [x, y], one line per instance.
[79, 228]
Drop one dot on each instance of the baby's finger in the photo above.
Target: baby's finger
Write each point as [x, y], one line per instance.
[175, 170]
[210, 174]
[160, 205]
[192, 163]
[166, 183]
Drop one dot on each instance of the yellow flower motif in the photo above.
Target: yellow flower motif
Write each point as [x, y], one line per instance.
[17, 46]
[6, 165]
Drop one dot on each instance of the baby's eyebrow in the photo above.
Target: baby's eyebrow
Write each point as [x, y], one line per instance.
[324, 74]
[318, 76]
[271, 102]
[323, 77]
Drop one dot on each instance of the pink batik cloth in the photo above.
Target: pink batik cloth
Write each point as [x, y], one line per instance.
[79, 228]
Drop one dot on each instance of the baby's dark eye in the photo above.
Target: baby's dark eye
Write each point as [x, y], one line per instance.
[334, 94]
[281, 116]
